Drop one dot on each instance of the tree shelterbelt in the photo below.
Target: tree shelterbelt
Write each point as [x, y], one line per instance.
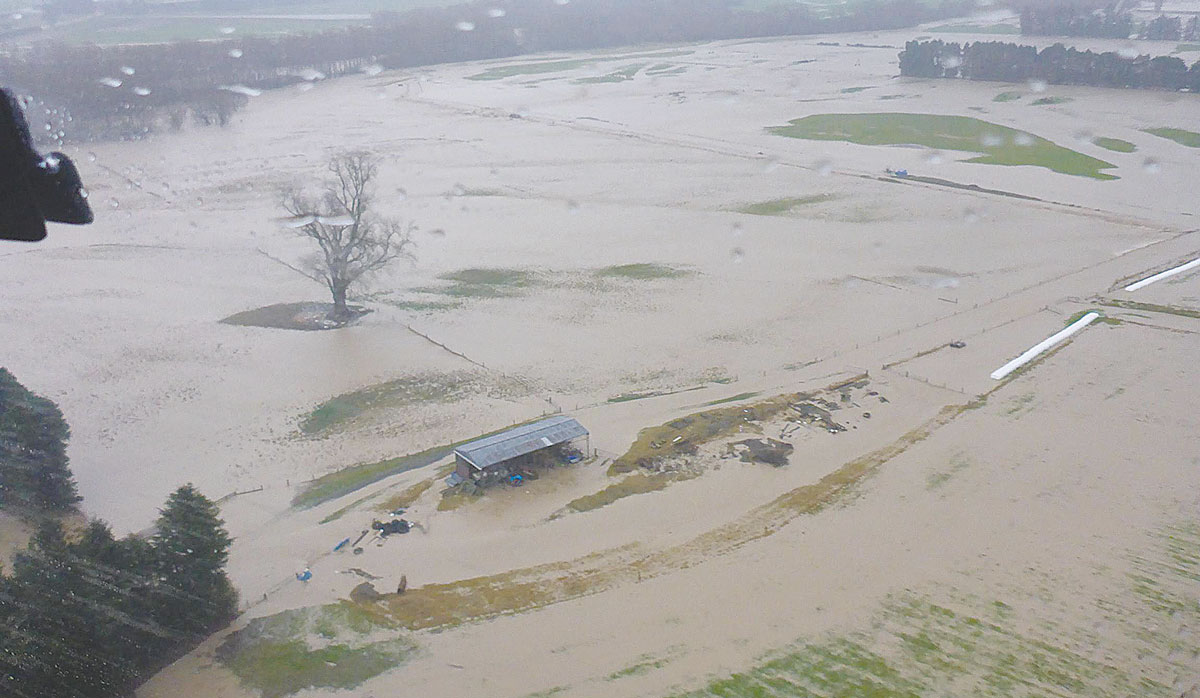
[34, 472]
[1056, 65]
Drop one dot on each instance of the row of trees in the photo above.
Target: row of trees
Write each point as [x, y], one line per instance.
[87, 91]
[83, 614]
[1057, 65]
[1104, 22]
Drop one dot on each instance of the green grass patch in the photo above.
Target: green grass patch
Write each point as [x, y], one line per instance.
[1152, 308]
[779, 207]
[405, 497]
[490, 282]
[976, 29]
[733, 398]
[1078, 315]
[852, 90]
[1041, 101]
[939, 478]
[620, 75]
[1115, 144]
[634, 483]
[401, 392]
[1190, 139]
[321, 647]
[999, 145]
[507, 71]
[1181, 48]
[1007, 97]
[642, 271]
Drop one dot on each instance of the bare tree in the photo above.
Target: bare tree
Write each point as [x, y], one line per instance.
[353, 241]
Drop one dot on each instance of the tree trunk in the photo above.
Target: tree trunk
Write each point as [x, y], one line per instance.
[340, 311]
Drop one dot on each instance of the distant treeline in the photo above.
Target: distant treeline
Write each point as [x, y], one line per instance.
[82, 613]
[1056, 65]
[84, 93]
[1103, 22]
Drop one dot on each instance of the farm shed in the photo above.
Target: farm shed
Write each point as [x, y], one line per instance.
[517, 446]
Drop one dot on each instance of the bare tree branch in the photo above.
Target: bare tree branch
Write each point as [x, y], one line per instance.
[353, 243]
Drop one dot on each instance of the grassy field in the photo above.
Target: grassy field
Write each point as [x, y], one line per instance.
[1044, 101]
[999, 145]
[323, 647]
[336, 412]
[542, 67]
[1115, 144]
[642, 271]
[1007, 97]
[620, 75]
[1189, 138]
[780, 207]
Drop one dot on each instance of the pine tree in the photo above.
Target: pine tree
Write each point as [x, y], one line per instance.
[191, 546]
[33, 450]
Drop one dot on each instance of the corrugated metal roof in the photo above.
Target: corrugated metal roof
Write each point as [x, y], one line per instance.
[518, 441]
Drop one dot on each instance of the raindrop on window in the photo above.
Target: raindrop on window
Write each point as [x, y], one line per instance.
[1023, 139]
[933, 157]
[561, 2]
[771, 164]
[127, 70]
[83, 193]
[114, 203]
[372, 69]
[226, 30]
[199, 201]
[298, 221]
[49, 163]
[311, 74]
[1151, 166]
[991, 140]
[824, 167]
[304, 86]
[235, 53]
[465, 26]
[737, 254]
[438, 233]
[48, 127]
[952, 61]
[736, 230]
[1037, 85]
[1128, 52]
[1084, 136]
[141, 91]
[458, 190]
[572, 206]
[17, 16]
[110, 82]
[242, 90]
[496, 13]
[970, 215]
[401, 195]
[91, 157]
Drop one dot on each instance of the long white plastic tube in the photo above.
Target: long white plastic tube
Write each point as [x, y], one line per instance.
[1164, 274]
[1043, 346]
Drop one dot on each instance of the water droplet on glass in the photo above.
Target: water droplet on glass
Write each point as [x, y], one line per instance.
[1023, 139]
[48, 127]
[736, 230]
[1128, 52]
[991, 140]
[311, 74]
[83, 193]
[771, 164]
[951, 62]
[17, 16]
[242, 90]
[572, 206]
[166, 187]
[401, 195]
[91, 157]
[1037, 85]
[304, 86]
[114, 203]
[494, 172]
[50, 163]
[235, 53]
[199, 201]
[561, 2]
[496, 13]
[127, 70]
[824, 167]
[934, 158]
[1151, 166]
[340, 221]
[141, 91]
[438, 233]
[970, 215]
[458, 190]
[226, 30]
[465, 26]
[372, 69]
[110, 82]
[737, 254]
[298, 221]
